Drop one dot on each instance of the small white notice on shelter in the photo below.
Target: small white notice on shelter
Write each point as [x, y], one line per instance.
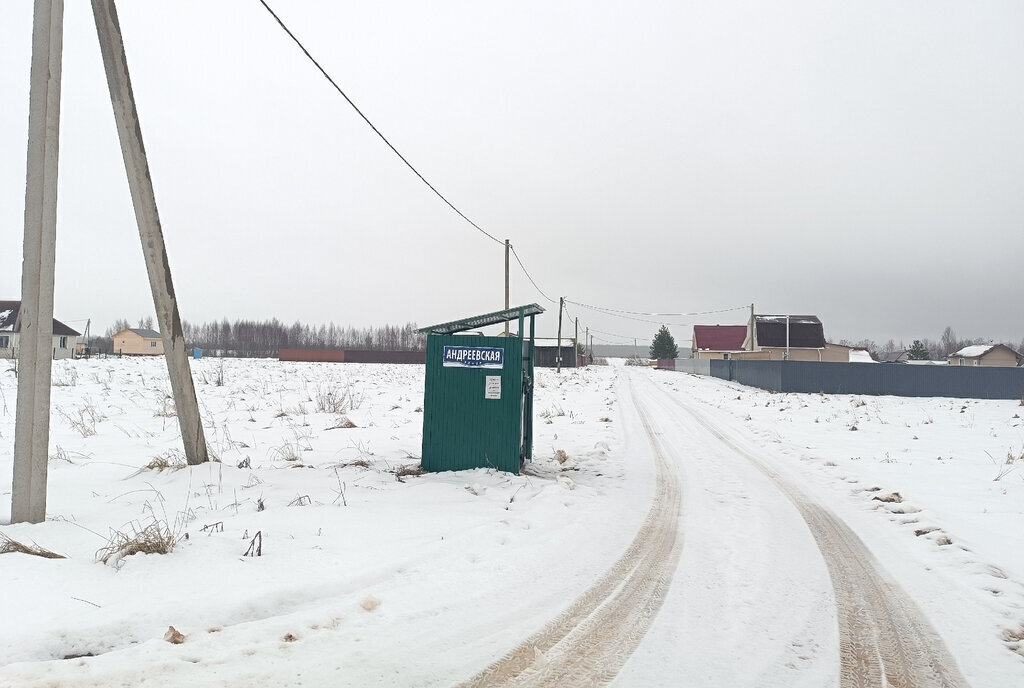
[493, 388]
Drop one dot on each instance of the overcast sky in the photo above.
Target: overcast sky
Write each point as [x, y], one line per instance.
[861, 161]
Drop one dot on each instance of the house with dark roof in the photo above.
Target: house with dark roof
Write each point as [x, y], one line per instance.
[64, 338]
[896, 357]
[718, 341]
[773, 338]
[138, 342]
[793, 338]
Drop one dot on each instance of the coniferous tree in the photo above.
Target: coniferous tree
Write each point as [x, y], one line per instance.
[664, 345]
[918, 351]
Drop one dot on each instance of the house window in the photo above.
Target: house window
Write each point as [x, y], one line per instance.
[152, 345]
[63, 342]
[5, 341]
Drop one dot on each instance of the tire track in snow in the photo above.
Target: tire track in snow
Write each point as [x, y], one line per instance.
[587, 644]
[885, 639]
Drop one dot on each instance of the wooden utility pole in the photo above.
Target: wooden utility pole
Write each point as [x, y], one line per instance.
[32, 417]
[561, 307]
[506, 286]
[140, 183]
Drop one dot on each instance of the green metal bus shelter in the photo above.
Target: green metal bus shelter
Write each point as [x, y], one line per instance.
[478, 394]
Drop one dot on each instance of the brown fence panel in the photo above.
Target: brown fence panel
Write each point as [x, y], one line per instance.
[321, 355]
[358, 356]
[352, 356]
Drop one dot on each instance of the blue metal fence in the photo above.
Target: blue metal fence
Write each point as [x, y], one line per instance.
[964, 382]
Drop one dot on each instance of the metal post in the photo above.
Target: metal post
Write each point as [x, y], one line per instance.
[506, 287]
[32, 418]
[140, 183]
[558, 355]
[787, 337]
[529, 410]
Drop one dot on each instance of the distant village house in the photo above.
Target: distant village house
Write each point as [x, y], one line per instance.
[64, 338]
[718, 341]
[773, 338]
[138, 342]
[985, 355]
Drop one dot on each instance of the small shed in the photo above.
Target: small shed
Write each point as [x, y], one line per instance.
[548, 351]
[478, 394]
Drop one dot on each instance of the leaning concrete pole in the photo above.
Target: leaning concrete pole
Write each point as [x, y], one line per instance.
[32, 420]
[136, 165]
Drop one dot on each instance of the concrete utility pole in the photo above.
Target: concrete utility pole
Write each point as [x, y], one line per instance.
[140, 183]
[558, 357]
[32, 419]
[506, 286]
[575, 345]
[753, 329]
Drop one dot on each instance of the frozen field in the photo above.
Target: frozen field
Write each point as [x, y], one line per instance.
[372, 575]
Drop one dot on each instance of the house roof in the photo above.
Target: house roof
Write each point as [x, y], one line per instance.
[144, 332]
[805, 331]
[719, 337]
[895, 357]
[979, 350]
[974, 351]
[10, 320]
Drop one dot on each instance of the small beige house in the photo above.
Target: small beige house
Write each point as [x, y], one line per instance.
[138, 342]
[64, 338]
[985, 355]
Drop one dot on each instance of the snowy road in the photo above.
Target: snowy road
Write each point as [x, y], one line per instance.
[587, 644]
[882, 638]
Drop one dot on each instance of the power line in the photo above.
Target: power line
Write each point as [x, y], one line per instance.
[612, 334]
[527, 273]
[375, 129]
[612, 311]
[607, 311]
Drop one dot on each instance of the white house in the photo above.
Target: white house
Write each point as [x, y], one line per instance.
[64, 338]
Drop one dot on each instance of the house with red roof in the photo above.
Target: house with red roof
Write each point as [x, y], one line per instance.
[772, 338]
[718, 341]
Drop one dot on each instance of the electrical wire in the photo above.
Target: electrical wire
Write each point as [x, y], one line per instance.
[527, 273]
[608, 311]
[375, 129]
[613, 311]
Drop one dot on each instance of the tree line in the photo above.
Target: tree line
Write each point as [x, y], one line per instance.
[263, 338]
[927, 349]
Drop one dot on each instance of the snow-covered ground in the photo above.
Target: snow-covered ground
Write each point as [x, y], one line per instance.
[371, 576]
